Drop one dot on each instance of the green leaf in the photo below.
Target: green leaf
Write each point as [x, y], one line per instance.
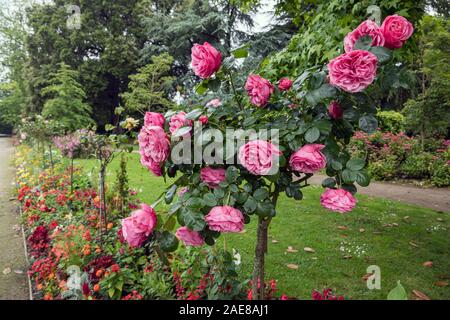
[312, 135]
[250, 205]
[194, 114]
[241, 52]
[329, 183]
[194, 221]
[363, 178]
[264, 209]
[231, 174]
[336, 165]
[202, 87]
[210, 200]
[168, 198]
[363, 43]
[167, 241]
[109, 127]
[182, 131]
[383, 54]
[398, 293]
[348, 176]
[356, 164]
[261, 194]
[324, 92]
[368, 123]
[214, 84]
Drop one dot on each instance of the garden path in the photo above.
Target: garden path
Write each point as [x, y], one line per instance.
[13, 265]
[433, 198]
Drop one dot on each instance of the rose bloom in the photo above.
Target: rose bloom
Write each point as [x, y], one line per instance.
[205, 60]
[225, 219]
[335, 110]
[189, 237]
[366, 28]
[139, 225]
[353, 71]
[154, 119]
[214, 103]
[212, 177]
[130, 123]
[204, 120]
[154, 147]
[308, 159]
[396, 30]
[284, 84]
[338, 200]
[259, 90]
[258, 156]
[178, 121]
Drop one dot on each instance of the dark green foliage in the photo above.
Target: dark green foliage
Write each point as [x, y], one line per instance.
[149, 86]
[65, 100]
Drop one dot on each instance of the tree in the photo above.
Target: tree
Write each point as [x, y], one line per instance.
[148, 88]
[427, 114]
[174, 26]
[105, 49]
[66, 100]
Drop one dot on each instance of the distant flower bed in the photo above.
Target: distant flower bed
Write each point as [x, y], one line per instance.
[397, 156]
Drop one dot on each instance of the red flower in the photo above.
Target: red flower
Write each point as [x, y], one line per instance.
[115, 268]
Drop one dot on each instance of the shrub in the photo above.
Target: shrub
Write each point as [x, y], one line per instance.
[417, 166]
[384, 169]
[391, 121]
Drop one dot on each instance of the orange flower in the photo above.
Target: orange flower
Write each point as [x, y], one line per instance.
[87, 252]
[109, 226]
[48, 296]
[97, 288]
[99, 273]
[39, 287]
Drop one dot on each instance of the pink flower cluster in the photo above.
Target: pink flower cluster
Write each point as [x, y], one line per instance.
[338, 200]
[259, 90]
[154, 148]
[189, 237]
[212, 177]
[137, 228]
[308, 159]
[206, 60]
[68, 144]
[259, 156]
[225, 219]
[178, 121]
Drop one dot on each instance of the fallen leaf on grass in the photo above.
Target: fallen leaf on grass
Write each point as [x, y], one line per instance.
[441, 283]
[348, 257]
[367, 276]
[6, 271]
[309, 250]
[414, 244]
[274, 241]
[292, 266]
[428, 264]
[291, 250]
[362, 230]
[440, 219]
[342, 227]
[18, 271]
[420, 295]
[395, 224]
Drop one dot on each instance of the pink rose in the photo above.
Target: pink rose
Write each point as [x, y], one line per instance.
[353, 71]
[335, 110]
[259, 90]
[205, 60]
[154, 148]
[154, 119]
[212, 177]
[178, 121]
[367, 28]
[308, 159]
[225, 219]
[204, 120]
[258, 156]
[139, 225]
[396, 30]
[189, 237]
[214, 103]
[339, 200]
[284, 84]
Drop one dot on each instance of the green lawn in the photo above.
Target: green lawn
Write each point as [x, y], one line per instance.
[385, 242]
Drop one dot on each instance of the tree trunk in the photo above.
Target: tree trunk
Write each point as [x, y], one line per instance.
[260, 252]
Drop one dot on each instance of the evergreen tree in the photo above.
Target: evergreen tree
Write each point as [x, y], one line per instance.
[148, 88]
[65, 102]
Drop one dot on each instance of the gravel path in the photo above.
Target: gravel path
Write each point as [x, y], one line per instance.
[433, 198]
[13, 266]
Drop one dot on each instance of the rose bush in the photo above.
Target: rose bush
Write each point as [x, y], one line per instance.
[311, 118]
